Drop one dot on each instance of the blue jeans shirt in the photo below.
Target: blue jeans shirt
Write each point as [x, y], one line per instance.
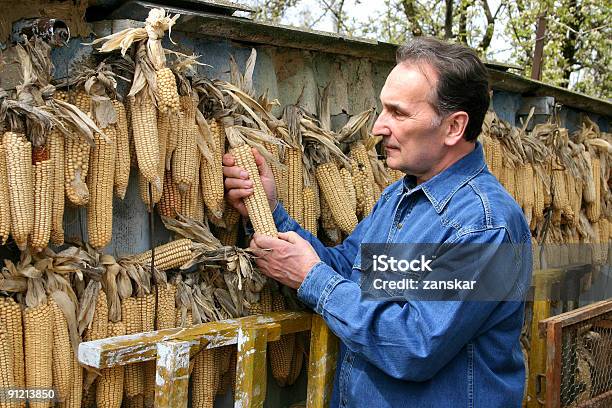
[415, 353]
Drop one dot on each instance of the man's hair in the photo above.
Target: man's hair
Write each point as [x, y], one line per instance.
[463, 83]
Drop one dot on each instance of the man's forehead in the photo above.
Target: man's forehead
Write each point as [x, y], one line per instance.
[409, 82]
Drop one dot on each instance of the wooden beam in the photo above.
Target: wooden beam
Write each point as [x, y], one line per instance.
[251, 364]
[172, 377]
[538, 53]
[322, 364]
[143, 346]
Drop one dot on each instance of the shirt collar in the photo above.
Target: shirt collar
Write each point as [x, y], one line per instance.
[440, 188]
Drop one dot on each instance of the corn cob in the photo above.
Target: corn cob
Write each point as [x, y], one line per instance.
[310, 214]
[81, 100]
[62, 357]
[330, 182]
[191, 201]
[538, 205]
[185, 159]
[229, 236]
[168, 256]
[109, 391]
[231, 216]
[574, 205]
[295, 184]
[43, 185]
[147, 313]
[10, 318]
[76, 167]
[122, 151]
[257, 203]
[359, 153]
[99, 324]
[143, 189]
[170, 201]
[296, 363]
[56, 147]
[7, 378]
[172, 140]
[349, 187]
[280, 173]
[21, 184]
[281, 351]
[165, 318]
[519, 188]
[204, 376]
[100, 185]
[163, 128]
[146, 139]
[38, 335]
[133, 383]
[496, 159]
[76, 392]
[168, 93]
[593, 208]
[561, 198]
[5, 204]
[211, 173]
[183, 321]
[328, 224]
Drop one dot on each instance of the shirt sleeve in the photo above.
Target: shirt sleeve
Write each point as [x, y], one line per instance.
[423, 335]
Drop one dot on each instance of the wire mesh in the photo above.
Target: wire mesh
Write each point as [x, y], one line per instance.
[586, 363]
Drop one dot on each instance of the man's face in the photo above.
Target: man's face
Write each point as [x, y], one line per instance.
[413, 138]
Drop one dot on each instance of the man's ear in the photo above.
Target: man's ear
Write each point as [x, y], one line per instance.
[456, 123]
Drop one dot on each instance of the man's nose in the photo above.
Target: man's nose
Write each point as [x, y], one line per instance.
[380, 127]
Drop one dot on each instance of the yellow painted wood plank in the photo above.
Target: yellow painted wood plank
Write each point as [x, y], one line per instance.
[141, 347]
[251, 367]
[172, 374]
[322, 364]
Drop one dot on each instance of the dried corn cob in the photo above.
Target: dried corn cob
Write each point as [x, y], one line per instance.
[122, 151]
[231, 216]
[143, 189]
[76, 167]
[170, 201]
[593, 208]
[168, 93]
[310, 213]
[360, 154]
[330, 182]
[295, 184]
[168, 256]
[133, 383]
[56, 147]
[191, 201]
[7, 378]
[257, 203]
[99, 324]
[38, 335]
[146, 139]
[204, 376]
[5, 204]
[229, 236]
[81, 100]
[76, 392]
[296, 363]
[163, 127]
[62, 353]
[147, 314]
[172, 140]
[109, 391]
[538, 205]
[100, 185]
[43, 187]
[165, 318]
[328, 224]
[135, 402]
[211, 173]
[280, 173]
[349, 187]
[281, 351]
[21, 184]
[185, 159]
[10, 318]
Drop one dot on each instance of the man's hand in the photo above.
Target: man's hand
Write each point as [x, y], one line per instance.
[239, 185]
[290, 259]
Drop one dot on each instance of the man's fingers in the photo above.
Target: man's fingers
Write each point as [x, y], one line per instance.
[239, 193]
[238, 183]
[290, 236]
[235, 172]
[228, 160]
[265, 241]
[260, 161]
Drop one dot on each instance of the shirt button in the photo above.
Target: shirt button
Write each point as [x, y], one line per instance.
[400, 225]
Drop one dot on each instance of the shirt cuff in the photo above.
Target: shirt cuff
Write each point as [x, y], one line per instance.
[318, 285]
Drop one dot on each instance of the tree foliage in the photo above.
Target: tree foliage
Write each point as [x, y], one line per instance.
[578, 42]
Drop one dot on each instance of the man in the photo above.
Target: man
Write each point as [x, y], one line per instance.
[398, 351]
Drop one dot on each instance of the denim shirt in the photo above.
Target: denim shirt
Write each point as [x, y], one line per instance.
[416, 353]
